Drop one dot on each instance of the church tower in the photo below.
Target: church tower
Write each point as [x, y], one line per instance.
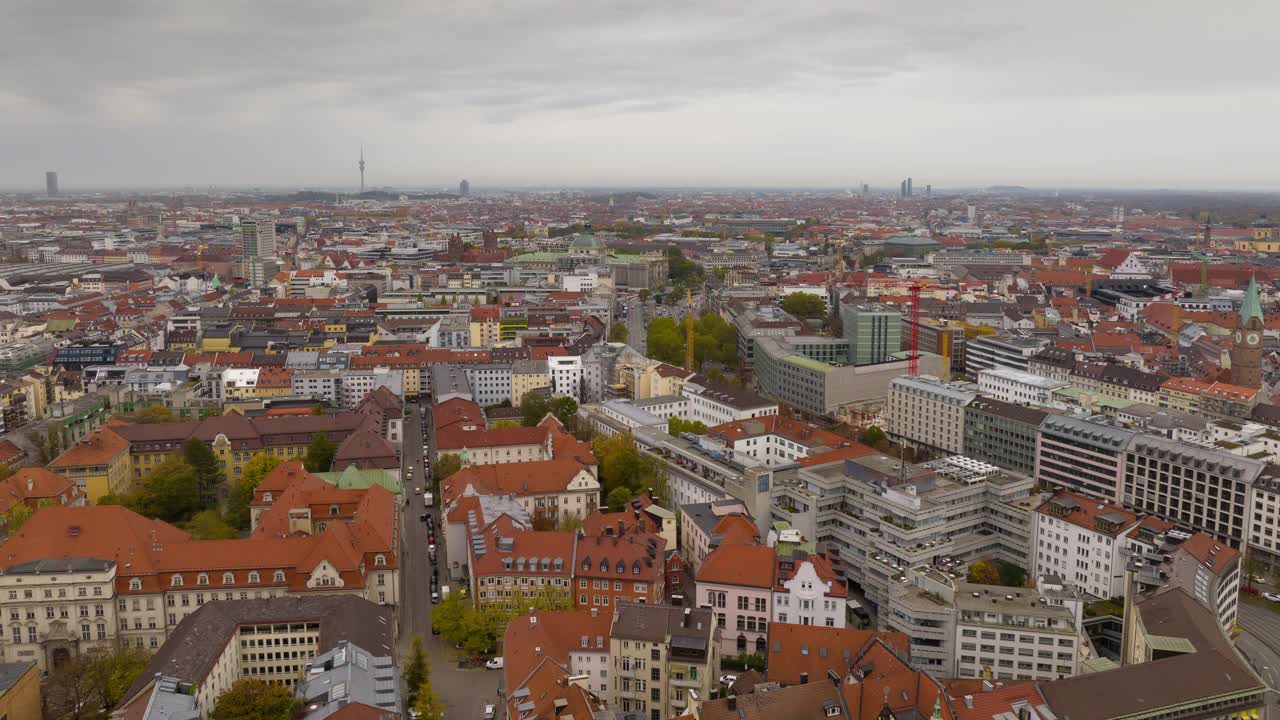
[1246, 356]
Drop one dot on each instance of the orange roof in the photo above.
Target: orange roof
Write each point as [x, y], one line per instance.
[891, 680]
[100, 448]
[33, 484]
[1087, 511]
[533, 637]
[1231, 392]
[854, 450]
[1210, 553]
[541, 476]
[812, 650]
[741, 565]
[990, 704]
[1185, 385]
[793, 430]
[527, 550]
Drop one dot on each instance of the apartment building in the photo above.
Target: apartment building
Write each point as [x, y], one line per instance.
[1003, 434]
[772, 440]
[273, 640]
[1211, 573]
[1018, 633]
[1082, 456]
[736, 582]
[706, 526]
[321, 385]
[1197, 488]
[507, 563]
[659, 656]
[763, 321]
[990, 351]
[1264, 519]
[1082, 541]
[620, 568]
[880, 518]
[1017, 386]
[927, 413]
[356, 384]
[807, 592]
[575, 641]
[550, 490]
[527, 376]
[99, 464]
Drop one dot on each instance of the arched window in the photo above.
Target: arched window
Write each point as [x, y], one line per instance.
[176, 581]
[279, 576]
[135, 584]
[254, 578]
[742, 644]
[202, 579]
[379, 560]
[228, 578]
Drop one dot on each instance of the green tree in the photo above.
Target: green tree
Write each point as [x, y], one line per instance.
[622, 465]
[445, 466]
[680, 269]
[210, 525]
[618, 498]
[256, 700]
[1011, 574]
[803, 305]
[569, 523]
[565, 409]
[415, 672]
[983, 573]
[676, 425]
[426, 704]
[16, 517]
[664, 341]
[91, 683]
[170, 493]
[875, 437]
[320, 454]
[209, 470]
[715, 374]
[506, 424]
[644, 295]
[318, 409]
[533, 407]
[619, 332]
[258, 467]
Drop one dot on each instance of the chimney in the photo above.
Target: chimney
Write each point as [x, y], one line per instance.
[968, 701]
[733, 703]
[533, 620]
[31, 484]
[684, 622]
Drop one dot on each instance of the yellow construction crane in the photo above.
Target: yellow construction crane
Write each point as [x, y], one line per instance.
[688, 330]
[200, 256]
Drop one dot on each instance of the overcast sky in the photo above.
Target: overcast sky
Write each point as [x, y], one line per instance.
[1168, 93]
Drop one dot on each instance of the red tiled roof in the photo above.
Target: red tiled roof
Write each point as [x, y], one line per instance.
[1210, 553]
[796, 650]
[740, 565]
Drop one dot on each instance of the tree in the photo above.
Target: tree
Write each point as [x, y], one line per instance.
[1011, 574]
[676, 425]
[210, 525]
[91, 683]
[569, 523]
[506, 424]
[618, 498]
[256, 700]
[664, 341]
[258, 467]
[155, 414]
[619, 332]
[803, 305]
[426, 704]
[622, 465]
[415, 672]
[715, 374]
[875, 437]
[209, 470]
[680, 269]
[644, 294]
[320, 453]
[170, 493]
[982, 573]
[17, 516]
[318, 409]
[445, 466]
[1253, 567]
[533, 407]
[565, 409]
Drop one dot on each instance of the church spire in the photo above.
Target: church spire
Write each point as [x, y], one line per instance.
[1252, 305]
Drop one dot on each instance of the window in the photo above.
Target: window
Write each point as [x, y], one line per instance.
[135, 584]
[279, 576]
[254, 578]
[202, 579]
[228, 578]
[176, 581]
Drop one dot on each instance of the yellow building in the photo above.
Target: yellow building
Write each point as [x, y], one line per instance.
[527, 376]
[20, 690]
[100, 464]
[485, 327]
[1181, 393]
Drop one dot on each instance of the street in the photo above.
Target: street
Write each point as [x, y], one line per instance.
[1260, 644]
[636, 331]
[463, 692]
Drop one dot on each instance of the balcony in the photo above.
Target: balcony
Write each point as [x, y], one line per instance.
[685, 683]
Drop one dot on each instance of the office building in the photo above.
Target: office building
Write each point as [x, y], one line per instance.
[1083, 456]
[1003, 434]
[1017, 386]
[927, 413]
[989, 351]
[1018, 633]
[51, 184]
[464, 188]
[257, 251]
[873, 330]
[1083, 542]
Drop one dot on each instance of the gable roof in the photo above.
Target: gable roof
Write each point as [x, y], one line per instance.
[812, 650]
[739, 565]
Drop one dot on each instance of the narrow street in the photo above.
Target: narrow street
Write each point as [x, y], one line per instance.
[464, 692]
[1260, 644]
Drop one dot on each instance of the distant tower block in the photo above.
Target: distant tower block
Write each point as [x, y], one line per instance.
[51, 183]
[910, 192]
[464, 188]
[361, 169]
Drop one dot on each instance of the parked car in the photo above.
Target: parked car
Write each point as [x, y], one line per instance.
[494, 663]
[417, 491]
[1273, 597]
[488, 712]
[435, 598]
[425, 518]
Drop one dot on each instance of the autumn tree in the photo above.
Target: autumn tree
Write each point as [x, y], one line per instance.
[803, 305]
[258, 467]
[415, 671]
[619, 333]
[445, 466]
[256, 700]
[210, 525]
[209, 470]
[983, 573]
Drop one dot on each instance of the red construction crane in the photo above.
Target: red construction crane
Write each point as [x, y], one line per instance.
[914, 348]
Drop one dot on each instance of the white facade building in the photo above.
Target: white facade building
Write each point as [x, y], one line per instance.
[1082, 541]
[1016, 386]
[925, 412]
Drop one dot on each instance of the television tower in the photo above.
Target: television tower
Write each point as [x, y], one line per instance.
[362, 169]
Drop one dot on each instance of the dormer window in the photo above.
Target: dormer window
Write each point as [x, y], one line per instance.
[176, 581]
[266, 497]
[135, 584]
[202, 579]
[279, 576]
[254, 577]
[379, 560]
[333, 510]
[228, 578]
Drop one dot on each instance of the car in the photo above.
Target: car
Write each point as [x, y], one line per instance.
[488, 712]
[494, 663]
[431, 548]
[1273, 597]
[425, 518]
[435, 598]
[728, 679]
[431, 538]
[435, 630]
[417, 491]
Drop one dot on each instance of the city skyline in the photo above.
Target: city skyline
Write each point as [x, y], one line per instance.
[773, 95]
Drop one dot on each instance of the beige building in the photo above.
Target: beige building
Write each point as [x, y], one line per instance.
[527, 376]
[20, 691]
[659, 655]
[927, 413]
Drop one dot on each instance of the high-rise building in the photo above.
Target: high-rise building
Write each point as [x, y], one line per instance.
[464, 188]
[928, 191]
[257, 250]
[51, 183]
[910, 192]
[361, 169]
[902, 189]
[874, 332]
